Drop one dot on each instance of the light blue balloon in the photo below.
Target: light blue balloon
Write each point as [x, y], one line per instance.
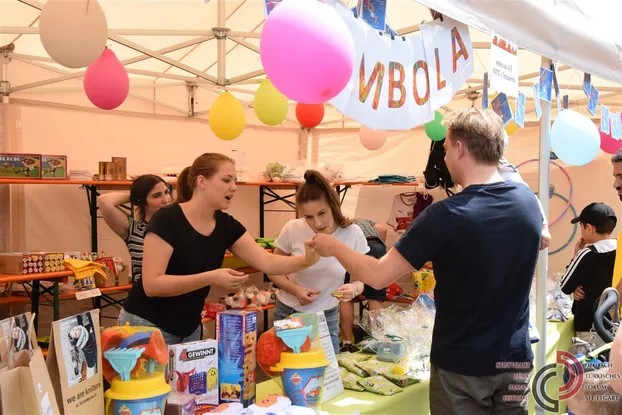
[574, 138]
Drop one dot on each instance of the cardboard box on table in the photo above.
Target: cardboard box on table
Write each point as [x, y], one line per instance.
[75, 364]
[25, 388]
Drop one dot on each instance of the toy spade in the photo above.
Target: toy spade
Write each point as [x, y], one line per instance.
[294, 338]
[123, 360]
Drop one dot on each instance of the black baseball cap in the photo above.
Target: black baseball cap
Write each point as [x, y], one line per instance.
[596, 214]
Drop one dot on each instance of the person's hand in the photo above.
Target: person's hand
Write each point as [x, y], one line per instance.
[325, 245]
[311, 255]
[545, 241]
[305, 295]
[579, 245]
[229, 279]
[348, 291]
[578, 294]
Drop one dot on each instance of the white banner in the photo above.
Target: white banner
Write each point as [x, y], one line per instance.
[504, 65]
[397, 84]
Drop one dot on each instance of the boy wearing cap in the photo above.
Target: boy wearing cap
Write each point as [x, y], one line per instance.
[592, 266]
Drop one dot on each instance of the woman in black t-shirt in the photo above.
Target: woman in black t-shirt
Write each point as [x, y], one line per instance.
[184, 248]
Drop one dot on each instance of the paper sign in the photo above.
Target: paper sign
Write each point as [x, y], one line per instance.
[519, 106]
[83, 295]
[593, 101]
[536, 100]
[604, 119]
[504, 64]
[546, 84]
[485, 92]
[587, 83]
[333, 385]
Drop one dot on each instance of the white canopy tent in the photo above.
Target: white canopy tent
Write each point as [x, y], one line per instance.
[205, 48]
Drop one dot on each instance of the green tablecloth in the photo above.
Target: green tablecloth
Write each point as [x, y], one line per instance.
[414, 399]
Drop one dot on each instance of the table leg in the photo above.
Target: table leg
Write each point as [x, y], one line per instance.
[34, 307]
[265, 321]
[56, 301]
[92, 197]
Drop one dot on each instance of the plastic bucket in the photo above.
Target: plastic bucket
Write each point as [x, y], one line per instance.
[147, 406]
[302, 377]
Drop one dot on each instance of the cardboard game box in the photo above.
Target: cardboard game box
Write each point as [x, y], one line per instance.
[193, 369]
[236, 331]
[20, 166]
[54, 167]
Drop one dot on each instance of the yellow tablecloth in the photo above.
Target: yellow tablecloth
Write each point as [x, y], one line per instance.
[414, 399]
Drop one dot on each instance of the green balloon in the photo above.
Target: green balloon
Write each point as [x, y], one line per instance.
[435, 130]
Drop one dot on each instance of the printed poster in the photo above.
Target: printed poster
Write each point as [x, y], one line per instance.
[587, 83]
[333, 385]
[501, 106]
[546, 84]
[604, 119]
[504, 64]
[536, 100]
[519, 106]
[374, 12]
[615, 121]
[78, 344]
[593, 100]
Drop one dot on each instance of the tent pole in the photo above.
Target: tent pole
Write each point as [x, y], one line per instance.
[543, 259]
[221, 39]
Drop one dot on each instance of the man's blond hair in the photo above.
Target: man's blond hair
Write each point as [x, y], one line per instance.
[481, 132]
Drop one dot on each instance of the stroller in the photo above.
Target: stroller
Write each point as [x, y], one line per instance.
[605, 325]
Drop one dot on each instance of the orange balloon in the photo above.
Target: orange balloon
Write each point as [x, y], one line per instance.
[309, 115]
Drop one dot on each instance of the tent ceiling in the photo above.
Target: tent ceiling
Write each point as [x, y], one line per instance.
[180, 29]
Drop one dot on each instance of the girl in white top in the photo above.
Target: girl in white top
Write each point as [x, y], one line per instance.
[310, 290]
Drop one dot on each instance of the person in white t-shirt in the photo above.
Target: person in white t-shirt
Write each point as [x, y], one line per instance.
[311, 290]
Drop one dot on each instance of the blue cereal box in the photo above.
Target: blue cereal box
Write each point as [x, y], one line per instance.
[236, 331]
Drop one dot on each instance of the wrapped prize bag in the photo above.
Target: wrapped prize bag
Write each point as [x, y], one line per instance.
[424, 283]
[286, 354]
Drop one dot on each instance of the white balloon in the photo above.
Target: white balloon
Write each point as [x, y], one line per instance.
[372, 139]
[575, 138]
[73, 32]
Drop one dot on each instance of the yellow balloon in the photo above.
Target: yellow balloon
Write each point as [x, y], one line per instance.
[227, 117]
[270, 105]
[512, 127]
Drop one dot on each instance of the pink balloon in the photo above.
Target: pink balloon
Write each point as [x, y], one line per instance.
[608, 144]
[372, 139]
[106, 83]
[307, 51]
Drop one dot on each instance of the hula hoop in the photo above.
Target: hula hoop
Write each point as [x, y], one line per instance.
[568, 201]
[574, 229]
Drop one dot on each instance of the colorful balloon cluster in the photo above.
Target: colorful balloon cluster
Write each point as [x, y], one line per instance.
[74, 34]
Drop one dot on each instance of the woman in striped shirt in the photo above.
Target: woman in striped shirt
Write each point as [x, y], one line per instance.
[147, 194]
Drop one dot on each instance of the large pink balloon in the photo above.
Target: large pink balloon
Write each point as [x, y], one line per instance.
[106, 82]
[372, 139]
[307, 51]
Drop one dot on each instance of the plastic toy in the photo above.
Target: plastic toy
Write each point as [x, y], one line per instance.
[134, 365]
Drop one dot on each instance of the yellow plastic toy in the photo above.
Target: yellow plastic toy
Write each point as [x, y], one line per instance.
[134, 363]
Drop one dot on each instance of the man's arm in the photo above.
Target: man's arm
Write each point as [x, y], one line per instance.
[411, 252]
[376, 273]
[577, 271]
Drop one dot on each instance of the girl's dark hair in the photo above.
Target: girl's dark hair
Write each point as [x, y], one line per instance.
[317, 187]
[206, 165]
[141, 186]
